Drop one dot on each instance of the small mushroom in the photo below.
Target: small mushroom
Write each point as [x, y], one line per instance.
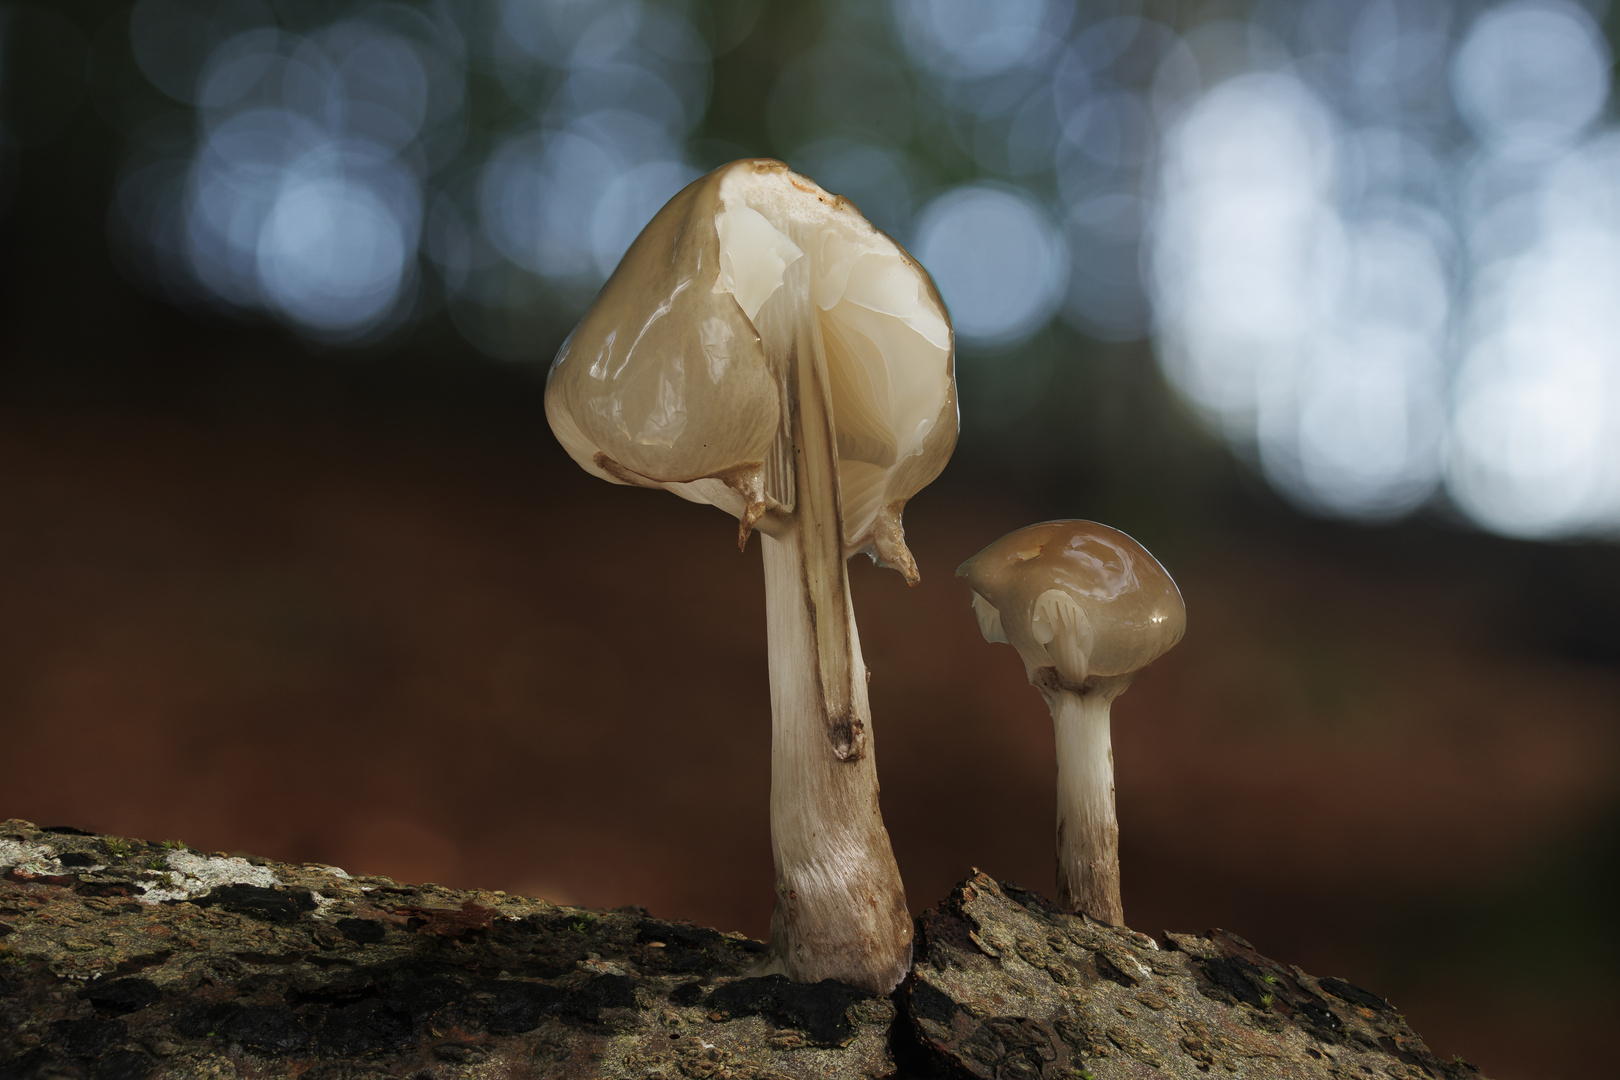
[762, 348]
[1087, 608]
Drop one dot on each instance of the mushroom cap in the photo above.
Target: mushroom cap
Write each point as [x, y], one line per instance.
[666, 380]
[1076, 596]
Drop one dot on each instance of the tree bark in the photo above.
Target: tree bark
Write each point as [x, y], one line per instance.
[125, 959]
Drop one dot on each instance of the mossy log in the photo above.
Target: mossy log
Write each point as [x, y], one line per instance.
[126, 959]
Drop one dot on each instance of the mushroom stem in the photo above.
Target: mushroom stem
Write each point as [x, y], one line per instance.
[840, 905]
[1087, 828]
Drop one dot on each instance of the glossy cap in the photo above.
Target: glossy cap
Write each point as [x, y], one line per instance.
[1077, 597]
[666, 381]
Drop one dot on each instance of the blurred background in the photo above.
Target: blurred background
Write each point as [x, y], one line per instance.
[1319, 299]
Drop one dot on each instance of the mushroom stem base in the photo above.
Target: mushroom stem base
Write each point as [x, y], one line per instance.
[1087, 828]
[840, 906]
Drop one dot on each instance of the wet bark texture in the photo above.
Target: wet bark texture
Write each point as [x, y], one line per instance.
[125, 959]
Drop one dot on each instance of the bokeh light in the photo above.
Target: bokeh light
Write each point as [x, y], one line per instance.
[997, 259]
[542, 192]
[963, 39]
[1384, 260]
[1368, 241]
[1535, 447]
[1531, 75]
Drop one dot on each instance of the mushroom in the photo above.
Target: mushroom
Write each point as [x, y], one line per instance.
[764, 349]
[1087, 608]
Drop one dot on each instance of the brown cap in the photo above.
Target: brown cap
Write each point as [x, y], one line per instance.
[1077, 597]
[666, 381]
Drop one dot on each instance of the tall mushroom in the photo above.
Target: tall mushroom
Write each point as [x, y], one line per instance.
[762, 348]
[1087, 608]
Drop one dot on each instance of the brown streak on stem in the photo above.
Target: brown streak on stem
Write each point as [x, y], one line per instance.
[826, 596]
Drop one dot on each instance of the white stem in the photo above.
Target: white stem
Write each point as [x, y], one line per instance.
[1087, 828]
[840, 906]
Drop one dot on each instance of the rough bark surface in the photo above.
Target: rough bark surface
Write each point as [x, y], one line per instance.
[1006, 986]
[126, 959]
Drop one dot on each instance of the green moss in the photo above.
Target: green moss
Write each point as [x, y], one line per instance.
[1266, 1000]
[116, 847]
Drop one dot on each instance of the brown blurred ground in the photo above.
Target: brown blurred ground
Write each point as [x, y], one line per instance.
[448, 659]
